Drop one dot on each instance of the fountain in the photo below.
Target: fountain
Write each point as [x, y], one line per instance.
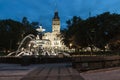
[21, 50]
[33, 45]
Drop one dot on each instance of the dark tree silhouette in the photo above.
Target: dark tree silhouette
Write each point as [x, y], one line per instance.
[12, 32]
[97, 31]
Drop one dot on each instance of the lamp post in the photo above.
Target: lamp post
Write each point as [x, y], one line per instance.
[70, 46]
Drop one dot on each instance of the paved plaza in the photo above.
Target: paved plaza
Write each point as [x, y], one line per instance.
[60, 71]
[14, 71]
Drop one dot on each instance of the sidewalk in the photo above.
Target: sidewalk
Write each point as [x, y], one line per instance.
[102, 74]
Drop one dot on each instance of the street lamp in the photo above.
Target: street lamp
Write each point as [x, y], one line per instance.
[70, 45]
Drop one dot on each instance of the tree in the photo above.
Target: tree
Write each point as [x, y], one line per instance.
[70, 33]
[97, 31]
[12, 32]
[107, 28]
[25, 21]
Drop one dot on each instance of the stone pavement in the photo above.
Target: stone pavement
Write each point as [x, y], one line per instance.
[60, 71]
[14, 71]
[53, 72]
[102, 74]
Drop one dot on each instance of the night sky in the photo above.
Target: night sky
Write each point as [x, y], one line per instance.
[42, 11]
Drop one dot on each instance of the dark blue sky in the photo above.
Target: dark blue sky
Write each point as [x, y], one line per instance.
[43, 10]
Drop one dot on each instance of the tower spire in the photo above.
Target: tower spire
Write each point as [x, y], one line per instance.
[56, 16]
[89, 13]
[55, 6]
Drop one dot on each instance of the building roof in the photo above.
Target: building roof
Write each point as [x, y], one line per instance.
[56, 15]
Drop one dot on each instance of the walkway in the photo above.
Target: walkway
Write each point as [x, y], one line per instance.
[53, 72]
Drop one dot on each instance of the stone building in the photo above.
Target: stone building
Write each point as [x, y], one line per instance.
[52, 40]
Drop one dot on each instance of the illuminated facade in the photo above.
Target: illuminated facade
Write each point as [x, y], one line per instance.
[53, 39]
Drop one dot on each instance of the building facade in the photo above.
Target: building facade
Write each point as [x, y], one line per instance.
[53, 40]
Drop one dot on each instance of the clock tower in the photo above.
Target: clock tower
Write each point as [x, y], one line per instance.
[56, 23]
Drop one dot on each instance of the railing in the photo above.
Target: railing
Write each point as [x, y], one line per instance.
[84, 63]
[32, 60]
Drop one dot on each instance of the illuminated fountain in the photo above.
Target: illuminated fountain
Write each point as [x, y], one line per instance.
[23, 48]
[33, 45]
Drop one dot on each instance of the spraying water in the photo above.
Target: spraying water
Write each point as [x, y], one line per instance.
[18, 52]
